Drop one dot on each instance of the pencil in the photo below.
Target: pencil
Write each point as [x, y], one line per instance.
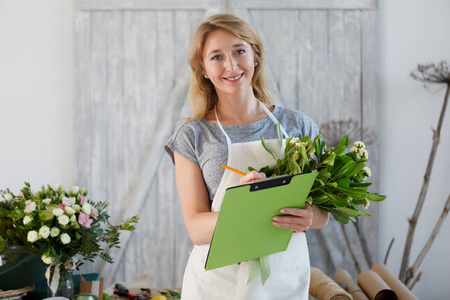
[234, 170]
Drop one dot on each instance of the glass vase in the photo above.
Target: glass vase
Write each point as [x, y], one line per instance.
[64, 285]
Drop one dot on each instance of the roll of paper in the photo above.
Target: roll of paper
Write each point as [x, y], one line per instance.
[375, 287]
[323, 287]
[402, 292]
[353, 288]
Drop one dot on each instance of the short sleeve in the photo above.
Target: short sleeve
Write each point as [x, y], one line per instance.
[183, 141]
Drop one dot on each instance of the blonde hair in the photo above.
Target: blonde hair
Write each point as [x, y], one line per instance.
[202, 94]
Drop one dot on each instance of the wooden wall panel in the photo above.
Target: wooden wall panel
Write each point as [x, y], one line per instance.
[132, 79]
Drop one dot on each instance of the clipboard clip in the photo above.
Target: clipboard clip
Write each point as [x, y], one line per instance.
[270, 182]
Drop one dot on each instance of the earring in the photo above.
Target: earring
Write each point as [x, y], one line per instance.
[206, 77]
[256, 63]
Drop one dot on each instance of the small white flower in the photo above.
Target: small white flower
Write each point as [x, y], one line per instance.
[32, 236]
[44, 232]
[354, 149]
[86, 208]
[63, 220]
[8, 196]
[365, 154]
[360, 145]
[75, 189]
[294, 141]
[47, 201]
[367, 171]
[76, 207]
[65, 238]
[55, 186]
[69, 210]
[54, 232]
[47, 259]
[58, 212]
[27, 219]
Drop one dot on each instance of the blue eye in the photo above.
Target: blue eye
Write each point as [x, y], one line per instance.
[241, 51]
[217, 57]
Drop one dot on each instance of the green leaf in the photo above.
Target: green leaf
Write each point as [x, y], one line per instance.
[339, 216]
[375, 197]
[345, 169]
[341, 146]
[357, 193]
[344, 182]
[320, 199]
[337, 200]
[294, 168]
[263, 142]
[349, 211]
[280, 134]
[357, 169]
[363, 212]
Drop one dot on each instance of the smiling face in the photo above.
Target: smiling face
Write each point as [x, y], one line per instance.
[229, 63]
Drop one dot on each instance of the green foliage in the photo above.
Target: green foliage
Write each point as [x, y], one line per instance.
[340, 186]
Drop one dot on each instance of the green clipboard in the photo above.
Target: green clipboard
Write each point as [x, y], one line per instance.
[244, 229]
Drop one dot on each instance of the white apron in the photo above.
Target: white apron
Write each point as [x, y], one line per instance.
[289, 270]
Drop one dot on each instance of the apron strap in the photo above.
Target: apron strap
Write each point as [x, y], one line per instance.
[268, 112]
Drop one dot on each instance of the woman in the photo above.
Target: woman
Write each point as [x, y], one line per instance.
[232, 111]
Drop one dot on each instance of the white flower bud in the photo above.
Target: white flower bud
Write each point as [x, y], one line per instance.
[75, 189]
[47, 201]
[63, 220]
[47, 259]
[58, 212]
[44, 232]
[86, 208]
[69, 210]
[32, 236]
[8, 196]
[54, 232]
[65, 238]
[27, 219]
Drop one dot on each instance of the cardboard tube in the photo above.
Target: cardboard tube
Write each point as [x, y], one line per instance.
[375, 287]
[403, 293]
[323, 287]
[353, 288]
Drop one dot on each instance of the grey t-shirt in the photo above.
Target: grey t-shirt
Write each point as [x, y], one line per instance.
[204, 144]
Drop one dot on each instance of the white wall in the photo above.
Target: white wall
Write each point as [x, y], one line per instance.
[36, 94]
[414, 32]
[36, 115]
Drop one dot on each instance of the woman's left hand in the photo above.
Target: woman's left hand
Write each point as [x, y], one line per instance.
[296, 219]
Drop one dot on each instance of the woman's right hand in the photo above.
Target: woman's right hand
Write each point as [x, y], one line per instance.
[252, 177]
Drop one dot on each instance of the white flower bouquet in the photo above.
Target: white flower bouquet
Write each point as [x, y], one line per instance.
[57, 225]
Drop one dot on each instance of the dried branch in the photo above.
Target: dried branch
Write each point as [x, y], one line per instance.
[365, 248]
[349, 246]
[431, 74]
[412, 270]
[388, 250]
[410, 287]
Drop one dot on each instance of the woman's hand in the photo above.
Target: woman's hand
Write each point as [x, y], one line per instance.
[252, 177]
[299, 220]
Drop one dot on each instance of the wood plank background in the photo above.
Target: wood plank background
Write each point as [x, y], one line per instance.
[132, 79]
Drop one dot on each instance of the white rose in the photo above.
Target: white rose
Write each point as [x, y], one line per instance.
[63, 220]
[54, 232]
[8, 196]
[76, 207]
[27, 219]
[75, 189]
[86, 208]
[58, 212]
[69, 210]
[47, 201]
[47, 259]
[32, 236]
[44, 232]
[65, 238]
